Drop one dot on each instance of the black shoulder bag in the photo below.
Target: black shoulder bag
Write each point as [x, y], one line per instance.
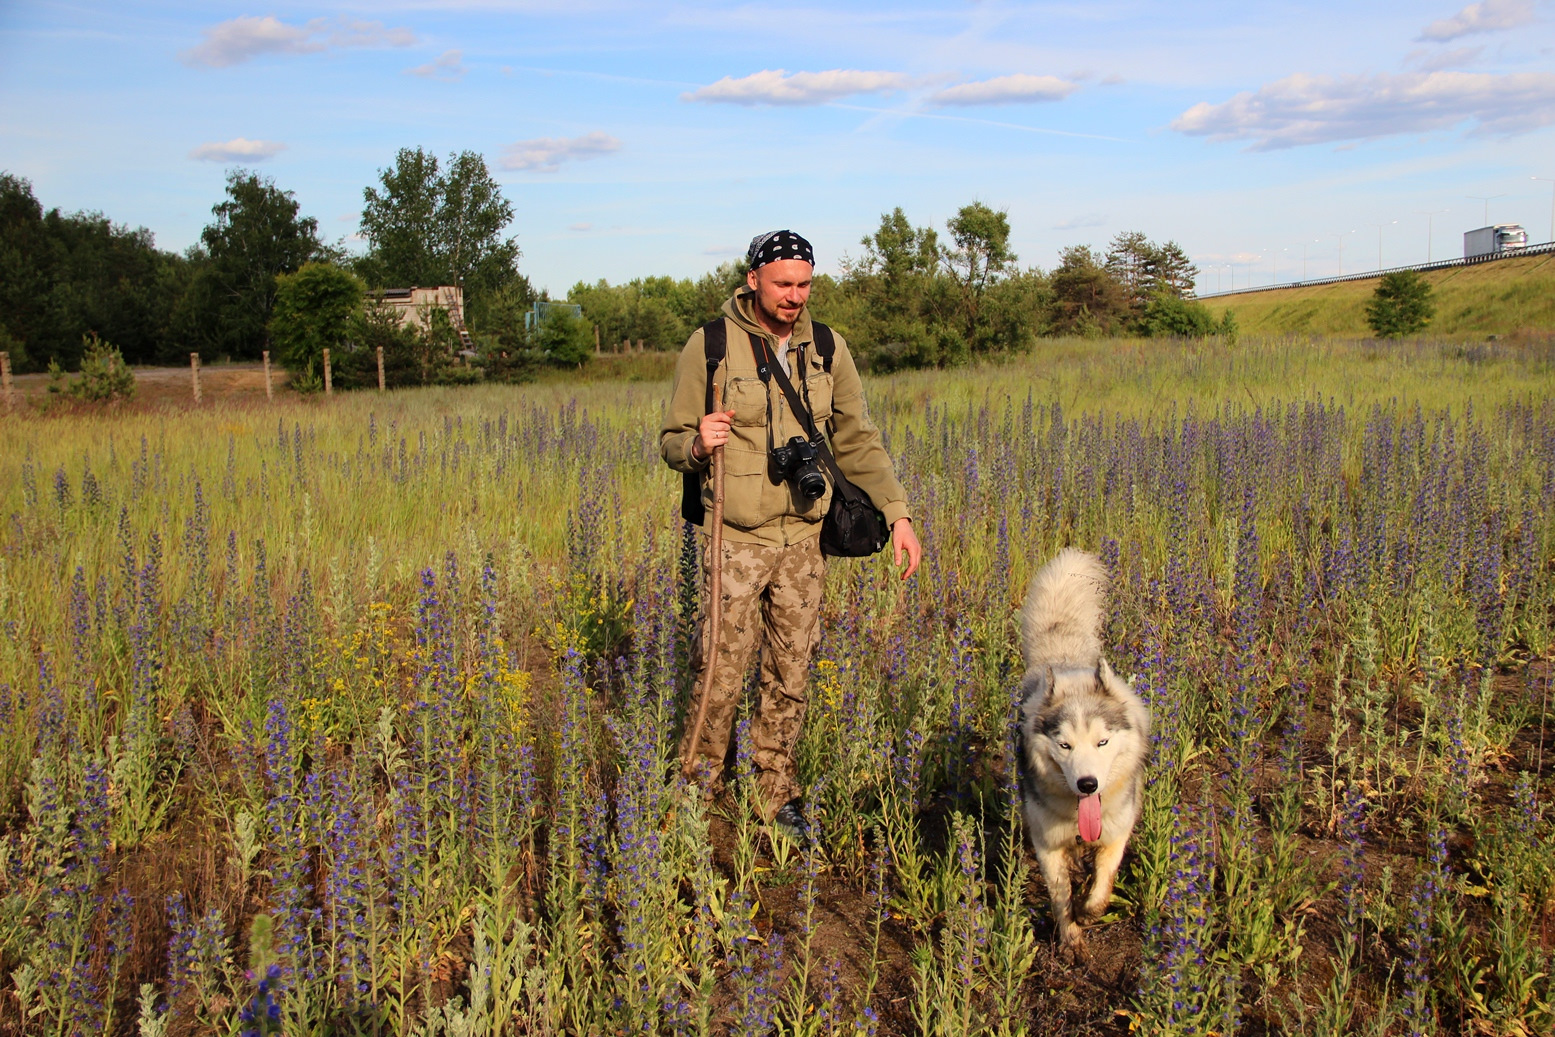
[853, 527]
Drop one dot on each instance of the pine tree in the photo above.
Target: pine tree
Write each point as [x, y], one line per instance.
[1401, 305]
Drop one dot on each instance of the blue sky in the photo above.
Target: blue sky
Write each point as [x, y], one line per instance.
[640, 139]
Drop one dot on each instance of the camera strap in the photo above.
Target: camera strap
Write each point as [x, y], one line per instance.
[840, 482]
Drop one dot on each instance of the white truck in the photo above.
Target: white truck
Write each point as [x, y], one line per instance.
[1493, 241]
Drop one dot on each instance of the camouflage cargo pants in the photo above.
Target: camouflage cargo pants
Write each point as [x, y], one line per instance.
[771, 600]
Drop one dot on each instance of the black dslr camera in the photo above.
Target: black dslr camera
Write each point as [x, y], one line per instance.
[795, 461]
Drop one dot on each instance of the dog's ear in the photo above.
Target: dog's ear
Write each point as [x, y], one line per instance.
[1103, 671]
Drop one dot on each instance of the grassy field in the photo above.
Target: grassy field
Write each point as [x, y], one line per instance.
[357, 715]
[1506, 298]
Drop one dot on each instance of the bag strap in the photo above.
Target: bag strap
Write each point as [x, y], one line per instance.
[840, 482]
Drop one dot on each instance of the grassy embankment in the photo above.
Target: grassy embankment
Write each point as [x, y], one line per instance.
[1506, 298]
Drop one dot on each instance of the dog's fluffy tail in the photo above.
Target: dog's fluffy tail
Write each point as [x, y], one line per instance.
[1062, 618]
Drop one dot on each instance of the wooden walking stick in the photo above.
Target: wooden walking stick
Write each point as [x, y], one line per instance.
[715, 604]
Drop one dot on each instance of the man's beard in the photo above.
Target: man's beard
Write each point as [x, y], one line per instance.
[776, 318]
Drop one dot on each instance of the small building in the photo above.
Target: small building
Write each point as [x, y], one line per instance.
[413, 304]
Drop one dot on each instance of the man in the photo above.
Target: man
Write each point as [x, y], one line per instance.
[772, 564]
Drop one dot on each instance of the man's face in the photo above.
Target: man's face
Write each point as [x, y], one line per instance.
[782, 288]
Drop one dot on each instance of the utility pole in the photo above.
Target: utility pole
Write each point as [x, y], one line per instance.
[1428, 214]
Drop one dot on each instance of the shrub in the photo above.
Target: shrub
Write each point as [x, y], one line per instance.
[104, 375]
[1227, 328]
[562, 340]
[1167, 315]
[1401, 305]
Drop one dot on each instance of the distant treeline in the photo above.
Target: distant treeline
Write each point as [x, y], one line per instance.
[915, 300]
[67, 276]
[911, 299]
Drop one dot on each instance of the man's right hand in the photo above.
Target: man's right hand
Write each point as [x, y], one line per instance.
[712, 432]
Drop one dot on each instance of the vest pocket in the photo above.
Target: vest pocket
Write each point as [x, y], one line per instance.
[818, 387]
[747, 397]
[746, 487]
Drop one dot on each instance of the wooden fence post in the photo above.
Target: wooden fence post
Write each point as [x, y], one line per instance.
[380, 369]
[596, 340]
[5, 380]
[194, 374]
[329, 385]
[269, 395]
[639, 345]
[626, 345]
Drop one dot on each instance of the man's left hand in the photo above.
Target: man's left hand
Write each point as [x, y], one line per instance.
[903, 538]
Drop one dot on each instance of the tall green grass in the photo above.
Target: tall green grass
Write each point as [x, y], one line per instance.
[363, 709]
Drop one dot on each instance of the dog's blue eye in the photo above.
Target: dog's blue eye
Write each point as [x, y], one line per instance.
[1064, 745]
[1101, 743]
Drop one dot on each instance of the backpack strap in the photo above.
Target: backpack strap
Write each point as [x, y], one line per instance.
[715, 346]
[825, 343]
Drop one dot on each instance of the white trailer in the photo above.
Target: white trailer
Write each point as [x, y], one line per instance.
[1493, 241]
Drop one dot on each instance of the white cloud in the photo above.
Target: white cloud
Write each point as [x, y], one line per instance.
[236, 41]
[775, 86]
[1079, 222]
[1487, 16]
[448, 67]
[546, 154]
[1434, 60]
[238, 149]
[580, 227]
[1015, 89]
[1303, 109]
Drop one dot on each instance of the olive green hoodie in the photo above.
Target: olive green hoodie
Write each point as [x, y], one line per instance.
[758, 509]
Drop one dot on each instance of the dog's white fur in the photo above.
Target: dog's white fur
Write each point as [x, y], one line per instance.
[1080, 724]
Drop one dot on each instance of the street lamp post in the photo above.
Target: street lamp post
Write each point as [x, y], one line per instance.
[1487, 199]
[1379, 227]
[1551, 181]
[1428, 214]
[1340, 238]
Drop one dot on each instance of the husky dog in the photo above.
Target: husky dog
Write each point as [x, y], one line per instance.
[1083, 739]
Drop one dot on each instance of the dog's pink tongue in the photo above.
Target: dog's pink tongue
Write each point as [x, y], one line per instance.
[1090, 818]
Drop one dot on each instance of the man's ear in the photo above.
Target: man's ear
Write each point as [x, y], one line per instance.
[750, 279]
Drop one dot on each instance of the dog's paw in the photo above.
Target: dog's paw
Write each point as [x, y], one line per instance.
[1071, 948]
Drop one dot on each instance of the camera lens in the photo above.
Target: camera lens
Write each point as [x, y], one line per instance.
[811, 483]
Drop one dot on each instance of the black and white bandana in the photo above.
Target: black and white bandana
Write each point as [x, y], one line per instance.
[778, 244]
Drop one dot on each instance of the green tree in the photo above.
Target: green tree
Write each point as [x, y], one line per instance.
[1147, 271]
[979, 257]
[256, 237]
[428, 227]
[1401, 305]
[315, 310]
[65, 276]
[1087, 299]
